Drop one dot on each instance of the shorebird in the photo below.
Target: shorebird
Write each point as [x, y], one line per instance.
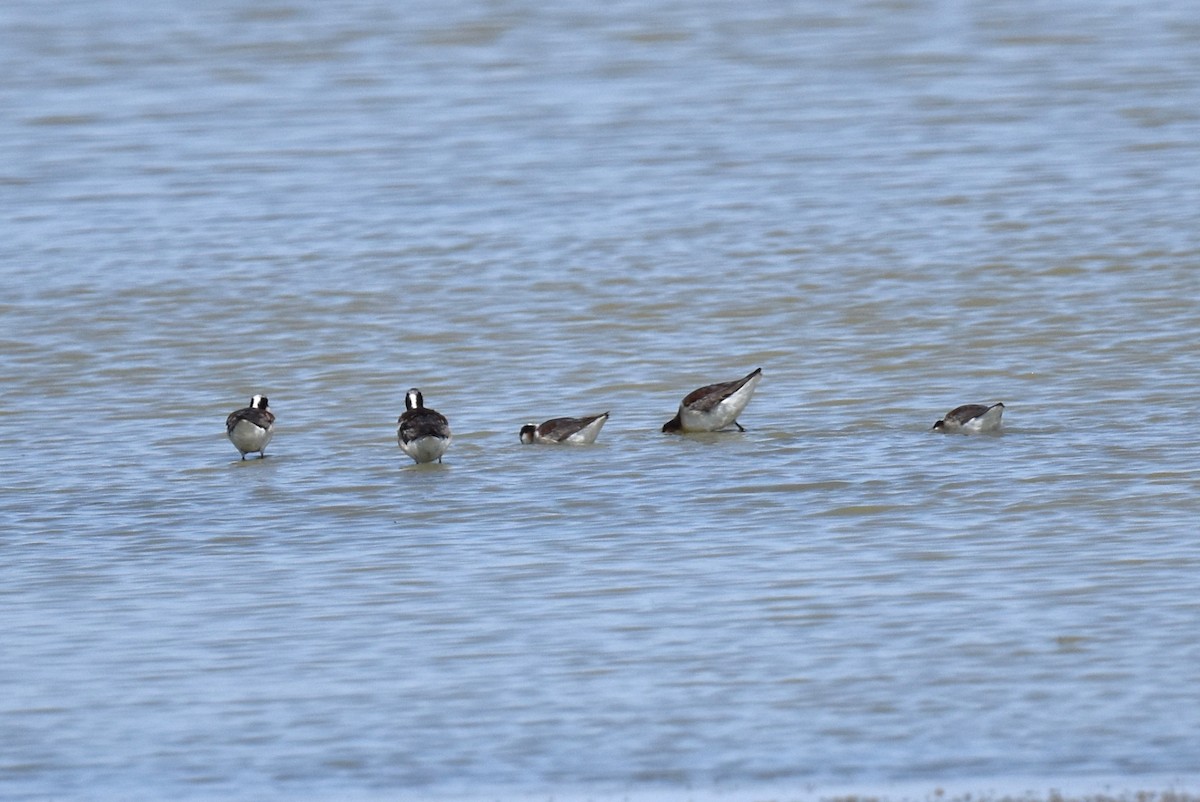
[250, 428]
[971, 419]
[714, 407]
[424, 434]
[564, 430]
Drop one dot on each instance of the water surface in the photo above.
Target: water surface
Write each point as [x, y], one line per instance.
[892, 207]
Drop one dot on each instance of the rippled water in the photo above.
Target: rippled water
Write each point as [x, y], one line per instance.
[526, 211]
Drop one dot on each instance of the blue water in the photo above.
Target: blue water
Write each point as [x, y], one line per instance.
[531, 212]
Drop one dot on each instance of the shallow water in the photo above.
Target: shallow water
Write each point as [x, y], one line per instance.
[527, 212]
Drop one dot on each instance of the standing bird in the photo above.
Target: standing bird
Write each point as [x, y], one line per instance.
[250, 429]
[971, 419]
[714, 407]
[424, 434]
[564, 430]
